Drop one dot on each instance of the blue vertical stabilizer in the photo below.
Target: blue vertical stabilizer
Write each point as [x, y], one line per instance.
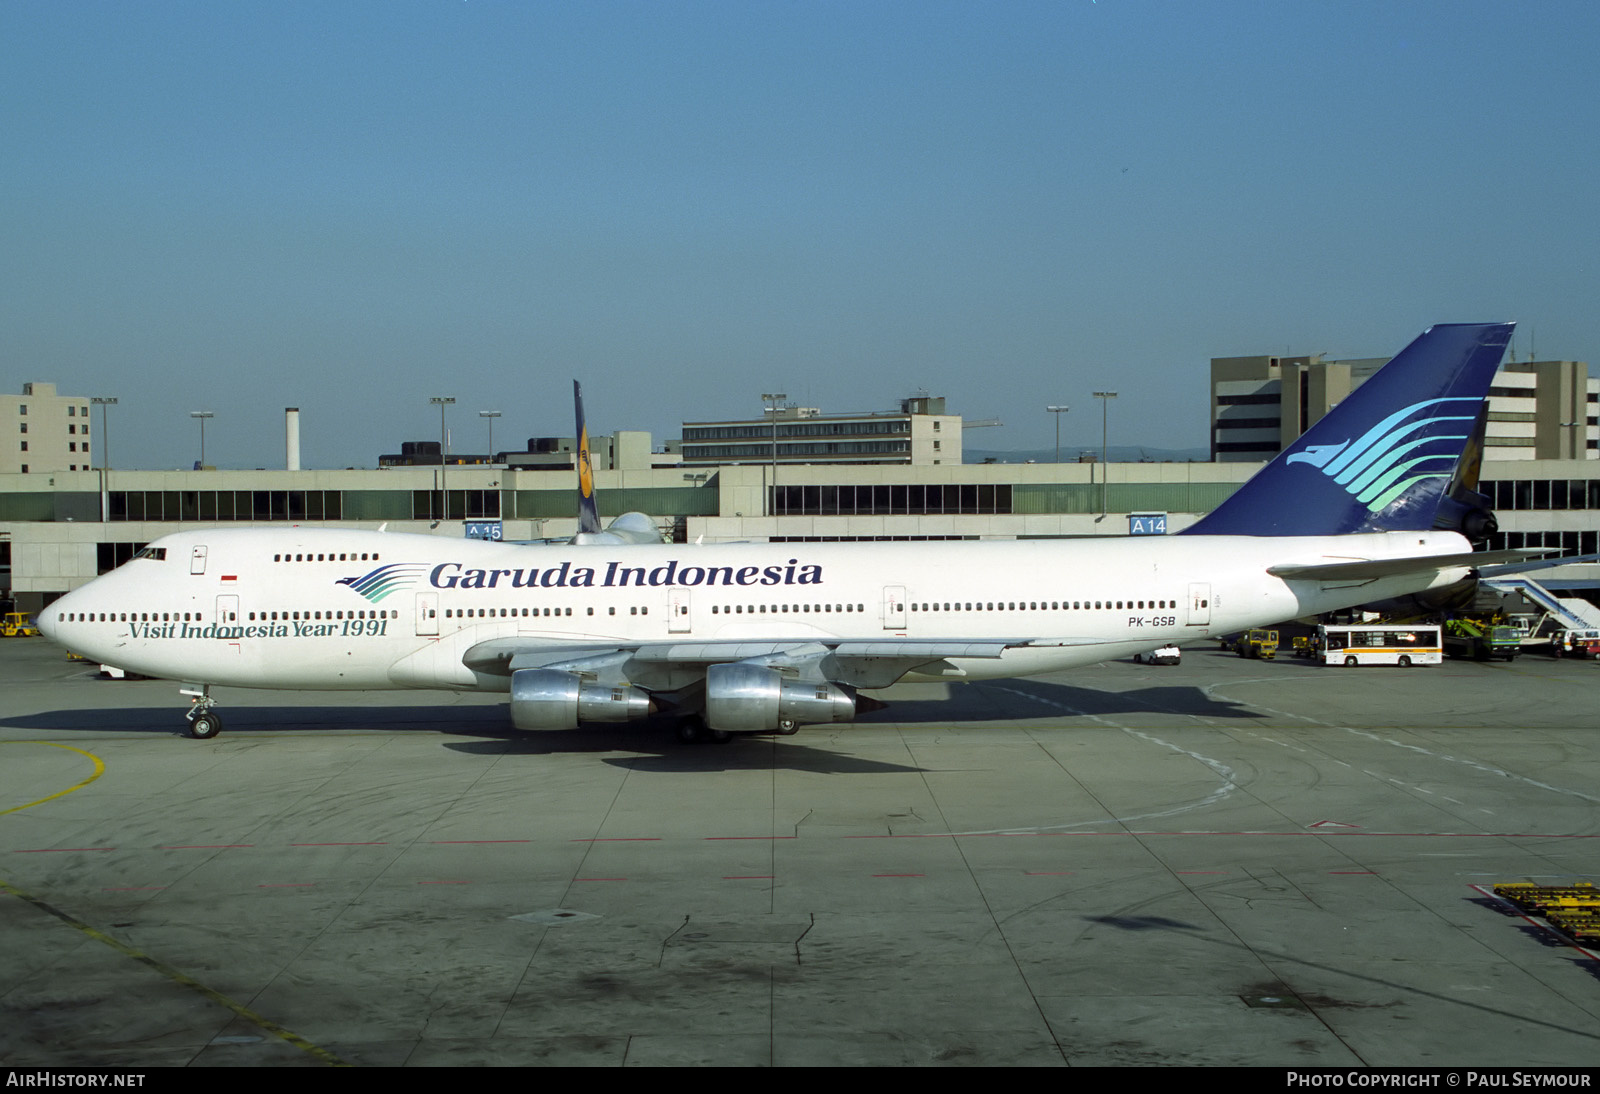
[1382, 460]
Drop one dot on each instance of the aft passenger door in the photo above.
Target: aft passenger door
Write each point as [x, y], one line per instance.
[1199, 604]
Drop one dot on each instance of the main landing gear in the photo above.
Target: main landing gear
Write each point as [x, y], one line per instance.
[692, 730]
[204, 722]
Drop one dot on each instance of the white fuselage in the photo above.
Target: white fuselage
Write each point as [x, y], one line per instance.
[329, 609]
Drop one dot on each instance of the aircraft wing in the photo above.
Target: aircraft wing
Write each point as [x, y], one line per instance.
[867, 663]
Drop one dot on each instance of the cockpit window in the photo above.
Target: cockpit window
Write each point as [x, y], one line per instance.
[157, 554]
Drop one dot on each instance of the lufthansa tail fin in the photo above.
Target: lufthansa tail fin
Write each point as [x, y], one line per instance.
[627, 528]
[588, 512]
[1383, 459]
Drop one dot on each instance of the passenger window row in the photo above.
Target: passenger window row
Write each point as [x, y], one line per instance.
[1042, 605]
[529, 613]
[784, 609]
[199, 617]
[269, 617]
[328, 557]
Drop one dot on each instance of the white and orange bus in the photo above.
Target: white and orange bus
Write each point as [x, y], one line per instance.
[1380, 644]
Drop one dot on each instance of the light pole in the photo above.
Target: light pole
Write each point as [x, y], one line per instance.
[1105, 398]
[1574, 448]
[491, 415]
[770, 401]
[442, 401]
[105, 454]
[1058, 411]
[202, 415]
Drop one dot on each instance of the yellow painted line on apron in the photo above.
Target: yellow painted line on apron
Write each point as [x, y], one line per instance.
[177, 977]
[123, 948]
[99, 769]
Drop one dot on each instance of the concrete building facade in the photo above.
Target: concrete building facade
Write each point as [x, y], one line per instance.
[625, 448]
[1544, 410]
[44, 432]
[920, 433]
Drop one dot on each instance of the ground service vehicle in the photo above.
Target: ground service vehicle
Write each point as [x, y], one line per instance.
[1575, 643]
[1164, 655]
[18, 624]
[1259, 643]
[1481, 641]
[1380, 644]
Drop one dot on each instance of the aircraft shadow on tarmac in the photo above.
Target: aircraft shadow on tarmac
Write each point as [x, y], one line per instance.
[478, 730]
[484, 729]
[1284, 659]
[487, 720]
[1004, 701]
[1009, 700]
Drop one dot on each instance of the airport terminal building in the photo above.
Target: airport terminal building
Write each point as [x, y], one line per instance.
[1538, 410]
[64, 520]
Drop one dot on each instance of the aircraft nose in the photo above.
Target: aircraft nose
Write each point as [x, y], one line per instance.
[48, 620]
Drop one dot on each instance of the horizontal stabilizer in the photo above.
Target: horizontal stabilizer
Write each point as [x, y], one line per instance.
[1368, 569]
[1540, 564]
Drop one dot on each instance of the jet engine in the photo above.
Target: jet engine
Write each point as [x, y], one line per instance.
[1469, 514]
[1463, 507]
[747, 698]
[553, 699]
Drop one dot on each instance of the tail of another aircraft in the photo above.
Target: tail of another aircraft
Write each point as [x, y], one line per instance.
[1382, 460]
[627, 528]
[588, 512]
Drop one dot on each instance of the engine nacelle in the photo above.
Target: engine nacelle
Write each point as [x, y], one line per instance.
[1479, 525]
[746, 698]
[552, 699]
[1467, 512]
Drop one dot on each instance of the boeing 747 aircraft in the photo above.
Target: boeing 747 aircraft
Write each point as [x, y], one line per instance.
[761, 638]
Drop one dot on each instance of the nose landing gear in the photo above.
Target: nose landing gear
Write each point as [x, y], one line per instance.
[204, 722]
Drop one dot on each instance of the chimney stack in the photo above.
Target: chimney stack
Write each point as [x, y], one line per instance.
[291, 437]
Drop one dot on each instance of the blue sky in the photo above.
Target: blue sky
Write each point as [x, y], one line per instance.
[350, 207]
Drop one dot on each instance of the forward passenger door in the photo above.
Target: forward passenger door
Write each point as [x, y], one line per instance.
[428, 614]
[894, 607]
